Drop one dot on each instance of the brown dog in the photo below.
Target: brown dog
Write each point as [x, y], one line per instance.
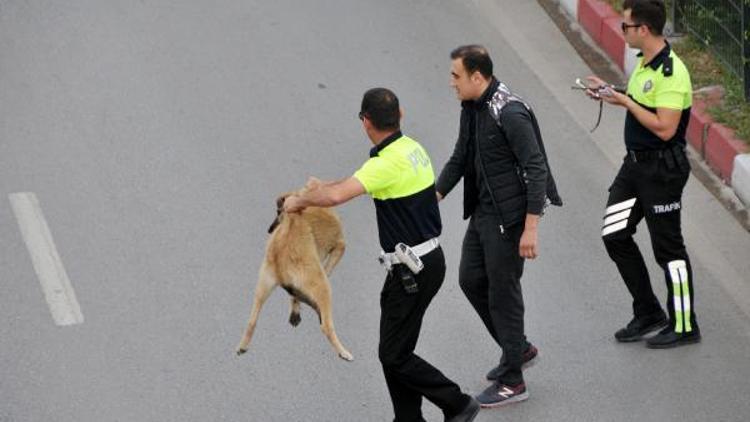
[300, 254]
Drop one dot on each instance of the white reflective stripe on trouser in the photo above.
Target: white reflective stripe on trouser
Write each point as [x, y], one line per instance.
[680, 296]
[616, 216]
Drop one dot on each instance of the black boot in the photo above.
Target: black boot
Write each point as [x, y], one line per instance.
[639, 327]
[667, 338]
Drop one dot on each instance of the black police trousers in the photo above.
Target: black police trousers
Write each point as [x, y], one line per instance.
[490, 277]
[651, 186]
[409, 377]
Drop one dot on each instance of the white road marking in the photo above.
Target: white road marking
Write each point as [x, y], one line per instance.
[49, 268]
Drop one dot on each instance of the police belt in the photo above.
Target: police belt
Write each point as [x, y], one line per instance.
[388, 260]
[657, 154]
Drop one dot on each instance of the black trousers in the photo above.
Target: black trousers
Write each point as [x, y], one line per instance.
[409, 377]
[652, 189]
[490, 277]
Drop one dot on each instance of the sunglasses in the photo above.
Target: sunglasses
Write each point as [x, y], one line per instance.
[361, 115]
[625, 26]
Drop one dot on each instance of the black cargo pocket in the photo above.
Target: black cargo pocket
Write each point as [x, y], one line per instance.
[395, 304]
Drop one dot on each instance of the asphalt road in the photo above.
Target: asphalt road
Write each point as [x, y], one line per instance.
[156, 135]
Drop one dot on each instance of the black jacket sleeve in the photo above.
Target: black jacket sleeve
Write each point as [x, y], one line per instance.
[519, 130]
[455, 168]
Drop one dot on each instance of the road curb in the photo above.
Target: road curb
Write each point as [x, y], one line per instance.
[613, 43]
[591, 14]
[721, 148]
[716, 143]
[741, 177]
[697, 130]
[571, 6]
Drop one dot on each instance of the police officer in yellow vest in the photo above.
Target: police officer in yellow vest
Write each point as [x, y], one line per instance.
[400, 178]
[651, 180]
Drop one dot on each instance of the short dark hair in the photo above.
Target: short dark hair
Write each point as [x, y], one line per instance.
[474, 58]
[380, 106]
[651, 13]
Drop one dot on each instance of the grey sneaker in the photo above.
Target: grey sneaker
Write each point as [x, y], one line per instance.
[499, 394]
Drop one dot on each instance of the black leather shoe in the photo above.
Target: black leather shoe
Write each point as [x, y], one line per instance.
[529, 359]
[468, 414]
[639, 327]
[667, 338]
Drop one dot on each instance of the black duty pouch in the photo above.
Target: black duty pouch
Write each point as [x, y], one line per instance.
[407, 279]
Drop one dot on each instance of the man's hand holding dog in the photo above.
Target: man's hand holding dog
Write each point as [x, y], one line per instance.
[325, 194]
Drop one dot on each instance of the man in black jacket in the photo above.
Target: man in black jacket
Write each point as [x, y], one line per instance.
[506, 184]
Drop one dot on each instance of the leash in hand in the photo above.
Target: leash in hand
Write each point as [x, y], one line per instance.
[597, 93]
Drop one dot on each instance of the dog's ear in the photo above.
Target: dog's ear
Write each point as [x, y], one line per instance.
[275, 223]
[280, 200]
[279, 207]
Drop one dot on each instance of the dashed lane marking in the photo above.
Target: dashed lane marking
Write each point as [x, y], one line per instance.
[56, 286]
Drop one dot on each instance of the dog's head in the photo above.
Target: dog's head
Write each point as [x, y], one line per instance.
[312, 183]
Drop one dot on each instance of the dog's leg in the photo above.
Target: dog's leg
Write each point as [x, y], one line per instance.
[263, 289]
[319, 292]
[334, 256]
[328, 329]
[294, 317]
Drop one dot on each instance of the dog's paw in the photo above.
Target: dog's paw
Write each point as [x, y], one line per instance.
[346, 356]
[294, 319]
